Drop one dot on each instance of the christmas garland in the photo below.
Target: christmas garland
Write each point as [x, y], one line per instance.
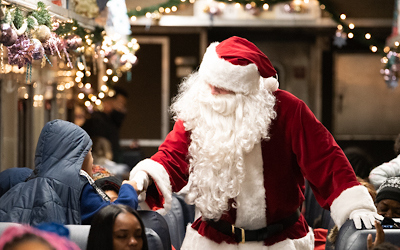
[327, 6]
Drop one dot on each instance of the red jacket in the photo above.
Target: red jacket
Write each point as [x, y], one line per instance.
[299, 147]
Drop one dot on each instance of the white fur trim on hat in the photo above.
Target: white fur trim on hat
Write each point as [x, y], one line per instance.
[270, 83]
[356, 197]
[223, 74]
[159, 176]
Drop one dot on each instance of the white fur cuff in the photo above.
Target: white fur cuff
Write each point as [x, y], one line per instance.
[356, 197]
[159, 176]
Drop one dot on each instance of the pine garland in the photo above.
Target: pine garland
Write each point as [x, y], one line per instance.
[73, 27]
[18, 18]
[32, 23]
[42, 15]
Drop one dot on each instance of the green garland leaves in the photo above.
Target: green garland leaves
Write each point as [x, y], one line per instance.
[42, 15]
[18, 18]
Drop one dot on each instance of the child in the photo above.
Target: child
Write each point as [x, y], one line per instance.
[61, 188]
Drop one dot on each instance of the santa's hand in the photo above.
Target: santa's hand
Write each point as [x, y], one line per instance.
[368, 217]
[142, 180]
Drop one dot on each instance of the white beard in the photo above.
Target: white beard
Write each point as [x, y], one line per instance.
[223, 129]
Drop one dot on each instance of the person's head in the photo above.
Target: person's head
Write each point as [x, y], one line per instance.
[117, 102]
[62, 145]
[24, 237]
[228, 106]
[388, 198]
[117, 227]
[361, 162]
[110, 185]
[385, 246]
[28, 241]
[101, 148]
[80, 115]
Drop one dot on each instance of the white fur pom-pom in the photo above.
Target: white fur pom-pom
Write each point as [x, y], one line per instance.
[270, 83]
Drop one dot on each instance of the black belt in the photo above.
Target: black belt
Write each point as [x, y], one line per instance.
[242, 235]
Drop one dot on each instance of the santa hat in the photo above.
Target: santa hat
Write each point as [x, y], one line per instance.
[238, 65]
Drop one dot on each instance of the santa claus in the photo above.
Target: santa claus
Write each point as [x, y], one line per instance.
[242, 149]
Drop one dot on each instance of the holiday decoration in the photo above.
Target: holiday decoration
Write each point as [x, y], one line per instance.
[8, 36]
[20, 53]
[391, 60]
[72, 42]
[42, 33]
[35, 35]
[38, 50]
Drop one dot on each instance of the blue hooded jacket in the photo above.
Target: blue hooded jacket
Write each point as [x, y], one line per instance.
[11, 177]
[52, 193]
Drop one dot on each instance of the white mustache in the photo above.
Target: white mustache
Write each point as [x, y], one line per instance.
[222, 104]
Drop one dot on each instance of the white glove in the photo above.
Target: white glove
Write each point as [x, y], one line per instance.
[368, 217]
[142, 180]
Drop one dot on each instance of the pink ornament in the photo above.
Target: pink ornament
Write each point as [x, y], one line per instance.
[38, 50]
[8, 36]
[73, 42]
[20, 53]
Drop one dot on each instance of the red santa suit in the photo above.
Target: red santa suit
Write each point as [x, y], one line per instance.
[273, 189]
[299, 147]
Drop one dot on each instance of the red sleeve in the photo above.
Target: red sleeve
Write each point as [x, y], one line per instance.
[172, 154]
[320, 158]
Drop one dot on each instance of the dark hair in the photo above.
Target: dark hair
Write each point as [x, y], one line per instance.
[385, 246]
[361, 162]
[27, 237]
[109, 183]
[101, 230]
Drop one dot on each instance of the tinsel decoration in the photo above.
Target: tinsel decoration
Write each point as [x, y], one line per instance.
[28, 77]
[20, 53]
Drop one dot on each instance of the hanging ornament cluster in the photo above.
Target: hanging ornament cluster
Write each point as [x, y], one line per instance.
[391, 60]
[27, 38]
[118, 55]
[391, 70]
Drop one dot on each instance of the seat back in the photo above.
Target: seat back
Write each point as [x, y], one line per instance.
[188, 210]
[313, 210]
[157, 223]
[350, 238]
[153, 240]
[79, 234]
[176, 223]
